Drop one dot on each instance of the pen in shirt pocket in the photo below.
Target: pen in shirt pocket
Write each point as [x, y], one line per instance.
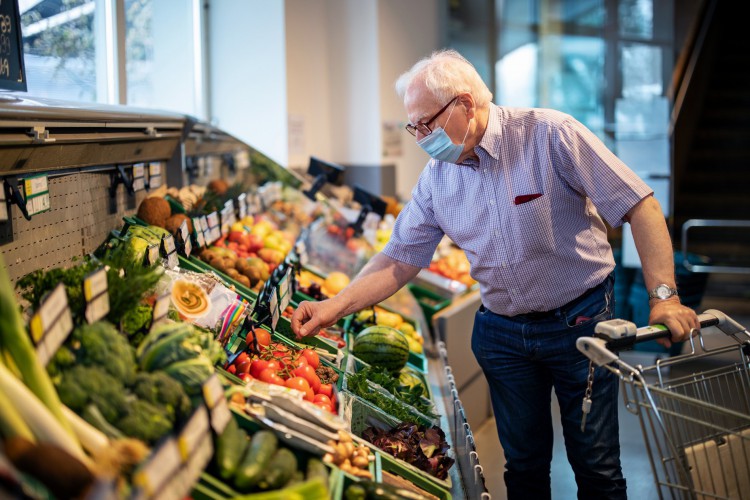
[525, 198]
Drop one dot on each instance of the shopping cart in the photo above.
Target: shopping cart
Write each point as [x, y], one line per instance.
[694, 409]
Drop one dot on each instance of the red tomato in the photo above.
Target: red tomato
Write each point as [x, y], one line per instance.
[308, 373]
[257, 366]
[263, 336]
[275, 364]
[322, 398]
[309, 395]
[326, 389]
[301, 361]
[312, 358]
[243, 366]
[241, 357]
[325, 406]
[270, 376]
[298, 383]
[246, 377]
[232, 369]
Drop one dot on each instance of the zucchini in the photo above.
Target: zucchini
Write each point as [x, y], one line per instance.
[316, 468]
[313, 489]
[231, 446]
[280, 470]
[384, 491]
[257, 457]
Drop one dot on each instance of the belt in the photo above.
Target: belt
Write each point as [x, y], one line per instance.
[542, 315]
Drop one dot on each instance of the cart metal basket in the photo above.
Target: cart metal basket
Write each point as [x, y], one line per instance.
[694, 409]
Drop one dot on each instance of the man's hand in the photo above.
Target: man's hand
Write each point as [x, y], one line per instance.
[680, 320]
[310, 317]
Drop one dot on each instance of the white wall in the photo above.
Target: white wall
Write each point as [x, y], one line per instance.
[343, 57]
[247, 68]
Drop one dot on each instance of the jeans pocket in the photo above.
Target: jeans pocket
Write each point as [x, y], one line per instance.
[598, 306]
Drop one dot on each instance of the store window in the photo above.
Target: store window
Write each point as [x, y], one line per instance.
[164, 55]
[59, 48]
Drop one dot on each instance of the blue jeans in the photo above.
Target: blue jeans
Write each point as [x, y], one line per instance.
[523, 358]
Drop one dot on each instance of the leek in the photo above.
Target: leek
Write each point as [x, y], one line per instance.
[15, 339]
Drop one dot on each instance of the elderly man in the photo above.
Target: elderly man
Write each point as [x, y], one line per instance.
[524, 193]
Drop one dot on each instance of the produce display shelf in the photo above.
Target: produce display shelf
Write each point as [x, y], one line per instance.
[198, 266]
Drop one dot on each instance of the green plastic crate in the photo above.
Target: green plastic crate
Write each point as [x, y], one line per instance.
[430, 302]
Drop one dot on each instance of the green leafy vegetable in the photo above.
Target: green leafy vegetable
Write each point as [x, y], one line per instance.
[412, 396]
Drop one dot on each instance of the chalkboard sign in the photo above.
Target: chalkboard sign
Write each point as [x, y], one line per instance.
[12, 73]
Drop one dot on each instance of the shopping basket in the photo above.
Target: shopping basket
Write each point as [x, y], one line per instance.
[694, 409]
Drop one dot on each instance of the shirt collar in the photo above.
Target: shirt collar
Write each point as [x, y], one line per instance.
[491, 139]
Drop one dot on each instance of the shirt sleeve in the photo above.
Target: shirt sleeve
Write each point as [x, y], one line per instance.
[592, 170]
[416, 233]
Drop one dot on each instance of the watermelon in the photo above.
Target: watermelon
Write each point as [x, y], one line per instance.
[381, 345]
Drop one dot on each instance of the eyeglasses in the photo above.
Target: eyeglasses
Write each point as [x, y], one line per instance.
[424, 127]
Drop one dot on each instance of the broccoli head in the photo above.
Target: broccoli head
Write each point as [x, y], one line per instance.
[102, 345]
[81, 385]
[144, 421]
[163, 391]
[136, 319]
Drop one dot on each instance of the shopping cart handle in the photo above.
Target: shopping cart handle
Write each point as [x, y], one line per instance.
[596, 350]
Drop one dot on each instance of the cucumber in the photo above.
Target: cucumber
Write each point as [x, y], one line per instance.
[313, 489]
[257, 457]
[280, 470]
[231, 446]
[316, 468]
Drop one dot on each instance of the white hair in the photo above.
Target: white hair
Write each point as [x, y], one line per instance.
[446, 73]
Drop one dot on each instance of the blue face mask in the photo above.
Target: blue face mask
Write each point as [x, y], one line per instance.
[440, 146]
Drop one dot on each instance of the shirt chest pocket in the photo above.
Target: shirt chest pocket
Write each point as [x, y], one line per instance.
[531, 223]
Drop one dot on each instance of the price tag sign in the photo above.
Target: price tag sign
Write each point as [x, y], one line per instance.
[178, 486]
[214, 229]
[242, 206]
[212, 219]
[139, 179]
[198, 237]
[152, 255]
[36, 193]
[154, 169]
[301, 251]
[167, 245]
[198, 460]
[172, 260]
[193, 432]
[216, 402]
[274, 307]
[95, 292]
[183, 235]
[284, 296]
[161, 309]
[165, 461]
[227, 216]
[3, 204]
[154, 182]
[51, 324]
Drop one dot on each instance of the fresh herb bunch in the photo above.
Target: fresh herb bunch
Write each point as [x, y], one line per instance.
[412, 396]
[37, 283]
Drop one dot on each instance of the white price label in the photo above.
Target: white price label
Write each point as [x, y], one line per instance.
[213, 219]
[184, 231]
[154, 181]
[139, 184]
[35, 185]
[193, 432]
[152, 255]
[220, 417]
[273, 302]
[274, 318]
[154, 169]
[55, 337]
[213, 391]
[164, 462]
[161, 309]
[97, 308]
[138, 170]
[38, 204]
[50, 309]
[95, 284]
[167, 243]
[172, 260]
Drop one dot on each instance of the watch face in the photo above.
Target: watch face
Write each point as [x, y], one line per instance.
[663, 292]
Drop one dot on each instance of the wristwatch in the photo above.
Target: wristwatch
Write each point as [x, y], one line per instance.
[662, 292]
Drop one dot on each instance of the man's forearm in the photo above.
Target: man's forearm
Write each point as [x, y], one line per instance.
[378, 280]
[653, 243]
